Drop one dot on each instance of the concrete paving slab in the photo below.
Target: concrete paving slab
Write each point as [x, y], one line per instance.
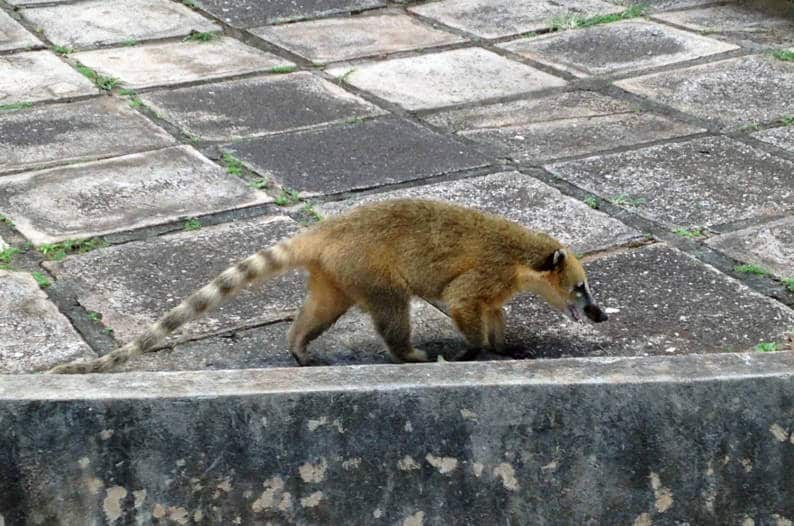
[736, 21]
[245, 108]
[663, 5]
[133, 284]
[352, 340]
[565, 105]
[693, 309]
[500, 18]
[616, 48]
[98, 22]
[702, 182]
[79, 131]
[729, 92]
[781, 137]
[13, 35]
[355, 156]
[179, 62]
[520, 198]
[334, 39]
[540, 142]
[446, 78]
[21, 3]
[34, 335]
[142, 189]
[250, 13]
[561, 125]
[770, 246]
[39, 75]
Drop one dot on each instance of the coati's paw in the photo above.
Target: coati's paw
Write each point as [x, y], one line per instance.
[304, 359]
[416, 355]
[468, 355]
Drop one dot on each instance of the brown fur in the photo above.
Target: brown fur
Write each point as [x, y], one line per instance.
[377, 257]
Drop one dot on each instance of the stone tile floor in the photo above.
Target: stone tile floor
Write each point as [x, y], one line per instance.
[145, 146]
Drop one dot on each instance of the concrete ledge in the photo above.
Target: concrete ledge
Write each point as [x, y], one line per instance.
[697, 439]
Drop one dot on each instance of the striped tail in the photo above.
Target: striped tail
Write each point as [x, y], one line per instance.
[261, 266]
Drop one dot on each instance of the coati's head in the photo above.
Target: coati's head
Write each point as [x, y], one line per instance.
[561, 280]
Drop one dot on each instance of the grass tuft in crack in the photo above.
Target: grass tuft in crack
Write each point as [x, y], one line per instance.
[234, 166]
[287, 197]
[15, 106]
[58, 251]
[200, 36]
[576, 20]
[283, 69]
[191, 224]
[41, 279]
[690, 233]
[7, 254]
[61, 50]
[259, 183]
[751, 269]
[766, 347]
[101, 81]
[784, 55]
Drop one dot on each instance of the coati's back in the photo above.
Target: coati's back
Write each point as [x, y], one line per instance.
[426, 243]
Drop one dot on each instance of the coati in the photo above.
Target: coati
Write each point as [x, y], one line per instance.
[377, 257]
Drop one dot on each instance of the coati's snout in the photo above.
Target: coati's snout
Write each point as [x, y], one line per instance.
[569, 289]
[595, 313]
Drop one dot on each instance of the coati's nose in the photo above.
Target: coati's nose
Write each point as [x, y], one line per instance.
[595, 313]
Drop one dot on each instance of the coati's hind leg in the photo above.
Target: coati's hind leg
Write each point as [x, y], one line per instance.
[470, 321]
[324, 304]
[495, 329]
[391, 314]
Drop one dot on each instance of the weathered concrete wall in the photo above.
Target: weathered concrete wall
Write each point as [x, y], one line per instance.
[695, 439]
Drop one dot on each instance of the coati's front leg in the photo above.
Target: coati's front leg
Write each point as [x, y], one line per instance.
[391, 314]
[324, 304]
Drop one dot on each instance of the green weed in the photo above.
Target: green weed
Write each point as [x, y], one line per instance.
[41, 279]
[94, 316]
[260, 183]
[591, 201]
[101, 81]
[575, 20]
[766, 347]
[199, 36]
[191, 224]
[58, 251]
[5, 220]
[786, 120]
[690, 233]
[625, 200]
[61, 50]
[15, 106]
[309, 211]
[7, 254]
[789, 283]
[783, 54]
[751, 269]
[283, 69]
[287, 197]
[234, 166]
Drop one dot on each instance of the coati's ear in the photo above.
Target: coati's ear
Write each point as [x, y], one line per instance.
[554, 261]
